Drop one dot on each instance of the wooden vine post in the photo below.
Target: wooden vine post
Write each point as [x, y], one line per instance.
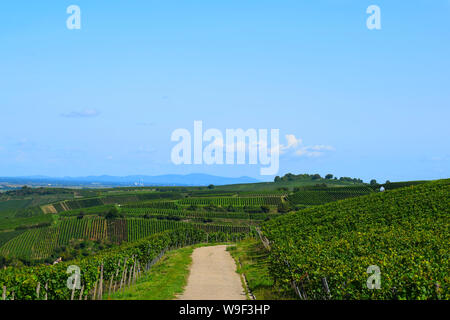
[326, 288]
[100, 289]
[94, 296]
[81, 292]
[129, 276]
[38, 288]
[74, 286]
[123, 274]
[110, 284]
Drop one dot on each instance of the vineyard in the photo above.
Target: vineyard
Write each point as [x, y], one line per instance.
[322, 195]
[339, 232]
[140, 214]
[141, 228]
[153, 204]
[109, 270]
[21, 283]
[6, 236]
[194, 214]
[405, 232]
[68, 205]
[397, 185]
[39, 243]
[233, 201]
[117, 230]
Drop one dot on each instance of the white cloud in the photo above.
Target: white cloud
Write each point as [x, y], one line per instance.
[296, 145]
[305, 151]
[86, 113]
[322, 148]
[292, 143]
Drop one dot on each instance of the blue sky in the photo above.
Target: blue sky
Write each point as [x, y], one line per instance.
[105, 99]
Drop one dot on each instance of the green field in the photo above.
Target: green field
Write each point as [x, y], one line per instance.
[318, 229]
[321, 195]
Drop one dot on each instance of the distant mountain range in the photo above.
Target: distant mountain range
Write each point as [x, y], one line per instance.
[196, 179]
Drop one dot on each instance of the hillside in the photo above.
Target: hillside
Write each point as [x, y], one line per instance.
[122, 215]
[41, 243]
[290, 184]
[405, 232]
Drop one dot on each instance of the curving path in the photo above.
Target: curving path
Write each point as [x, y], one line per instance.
[213, 276]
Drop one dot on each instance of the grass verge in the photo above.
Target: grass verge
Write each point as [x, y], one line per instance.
[252, 259]
[165, 280]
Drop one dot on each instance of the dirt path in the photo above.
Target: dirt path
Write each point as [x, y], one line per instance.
[213, 276]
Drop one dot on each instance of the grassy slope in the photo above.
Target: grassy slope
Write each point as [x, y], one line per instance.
[8, 224]
[9, 205]
[15, 202]
[8, 235]
[165, 280]
[252, 260]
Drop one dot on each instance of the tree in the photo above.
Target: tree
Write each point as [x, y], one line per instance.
[283, 207]
[316, 176]
[2, 261]
[211, 207]
[323, 185]
[373, 182]
[211, 186]
[192, 207]
[329, 176]
[277, 179]
[112, 213]
[289, 176]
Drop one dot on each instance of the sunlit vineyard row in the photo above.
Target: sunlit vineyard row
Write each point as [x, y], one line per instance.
[233, 201]
[321, 195]
[194, 214]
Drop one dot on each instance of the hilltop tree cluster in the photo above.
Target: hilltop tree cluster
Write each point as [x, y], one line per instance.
[27, 191]
[316, 176]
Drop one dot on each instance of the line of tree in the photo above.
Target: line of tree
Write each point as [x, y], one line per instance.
[316, 176]
[26, 191]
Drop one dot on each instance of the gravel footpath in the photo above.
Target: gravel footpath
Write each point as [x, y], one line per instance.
[213, 276]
